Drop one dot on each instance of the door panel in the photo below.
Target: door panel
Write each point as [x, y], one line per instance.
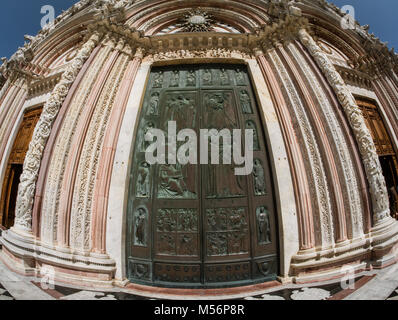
[200, 225]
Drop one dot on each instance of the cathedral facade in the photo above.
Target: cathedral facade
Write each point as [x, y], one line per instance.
[77, 101]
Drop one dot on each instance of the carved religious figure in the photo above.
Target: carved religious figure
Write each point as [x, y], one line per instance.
[140, 227]
[158, 79]
[175, 79]
[191, 78]
[259, 178]
[207, 77]
[172, 183]
[181, 109]
[264, 227]
[240, 78]
[143, 144]
[143, 181]
[222, 181]
[246, 102]
[224, 77]
[250, 125]
[153, 109]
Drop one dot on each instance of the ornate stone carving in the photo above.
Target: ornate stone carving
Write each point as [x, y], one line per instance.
[2, 82]
[366, 145]
[318, 182]
[87, 169]
[352, 197]
[56, 170]
[210, 53]
[197, 21]
[23, 219]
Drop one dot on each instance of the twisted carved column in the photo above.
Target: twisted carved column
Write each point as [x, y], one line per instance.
[26, 190]
[377, 184]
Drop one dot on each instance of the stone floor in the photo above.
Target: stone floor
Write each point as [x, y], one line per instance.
[376, 285]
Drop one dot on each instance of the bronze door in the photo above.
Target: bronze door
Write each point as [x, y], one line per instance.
[200, 225]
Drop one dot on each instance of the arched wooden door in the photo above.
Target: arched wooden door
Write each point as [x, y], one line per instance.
[15, 167]
[200, 225]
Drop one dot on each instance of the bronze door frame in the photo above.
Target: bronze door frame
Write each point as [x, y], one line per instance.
[261, 262]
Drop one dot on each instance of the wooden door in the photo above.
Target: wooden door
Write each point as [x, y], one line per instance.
[385, 150]
[15, 166]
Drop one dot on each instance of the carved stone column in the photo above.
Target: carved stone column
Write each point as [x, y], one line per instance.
[377, 184]
[101, 194]
[26, 191]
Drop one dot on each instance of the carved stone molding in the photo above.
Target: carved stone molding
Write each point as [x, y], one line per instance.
[194, 54]
[355, 77]
[377, 184]
[43, 86]
[2, 81]
[280, 33]
[26, 190]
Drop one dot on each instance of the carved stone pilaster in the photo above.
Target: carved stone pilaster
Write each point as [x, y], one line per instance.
[363, 137]
[2, 81]
[26, 191]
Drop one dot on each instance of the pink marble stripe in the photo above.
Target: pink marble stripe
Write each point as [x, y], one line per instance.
[50, 145]
[300, 182]
[326, 150]
[68, 184]
[103, 180]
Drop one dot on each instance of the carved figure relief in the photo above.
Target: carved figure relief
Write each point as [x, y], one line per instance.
[263, 225]
[240, 77]
[142, 142]
[140, 227]
[175, 79]
[140, 270]
[224, 77]
[251, 125]
[158, 79]
[181, 109]
[173, 182]
[220, 110]
[228, 231]
[220, 113]
[207, 77]
[246, 102]
[259, 178]
[153, 109]
[142, 186]
[178, 232]
[191, 78]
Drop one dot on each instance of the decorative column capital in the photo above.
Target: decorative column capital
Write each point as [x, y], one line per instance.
[281, 32]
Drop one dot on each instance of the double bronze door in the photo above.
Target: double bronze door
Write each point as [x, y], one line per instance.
[200, 225]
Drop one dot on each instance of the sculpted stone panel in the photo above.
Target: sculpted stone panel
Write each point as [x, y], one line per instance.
[366, 146]
[346, 162]
[62, 147]
[316, 173]
[88, 165]
[42, 132]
